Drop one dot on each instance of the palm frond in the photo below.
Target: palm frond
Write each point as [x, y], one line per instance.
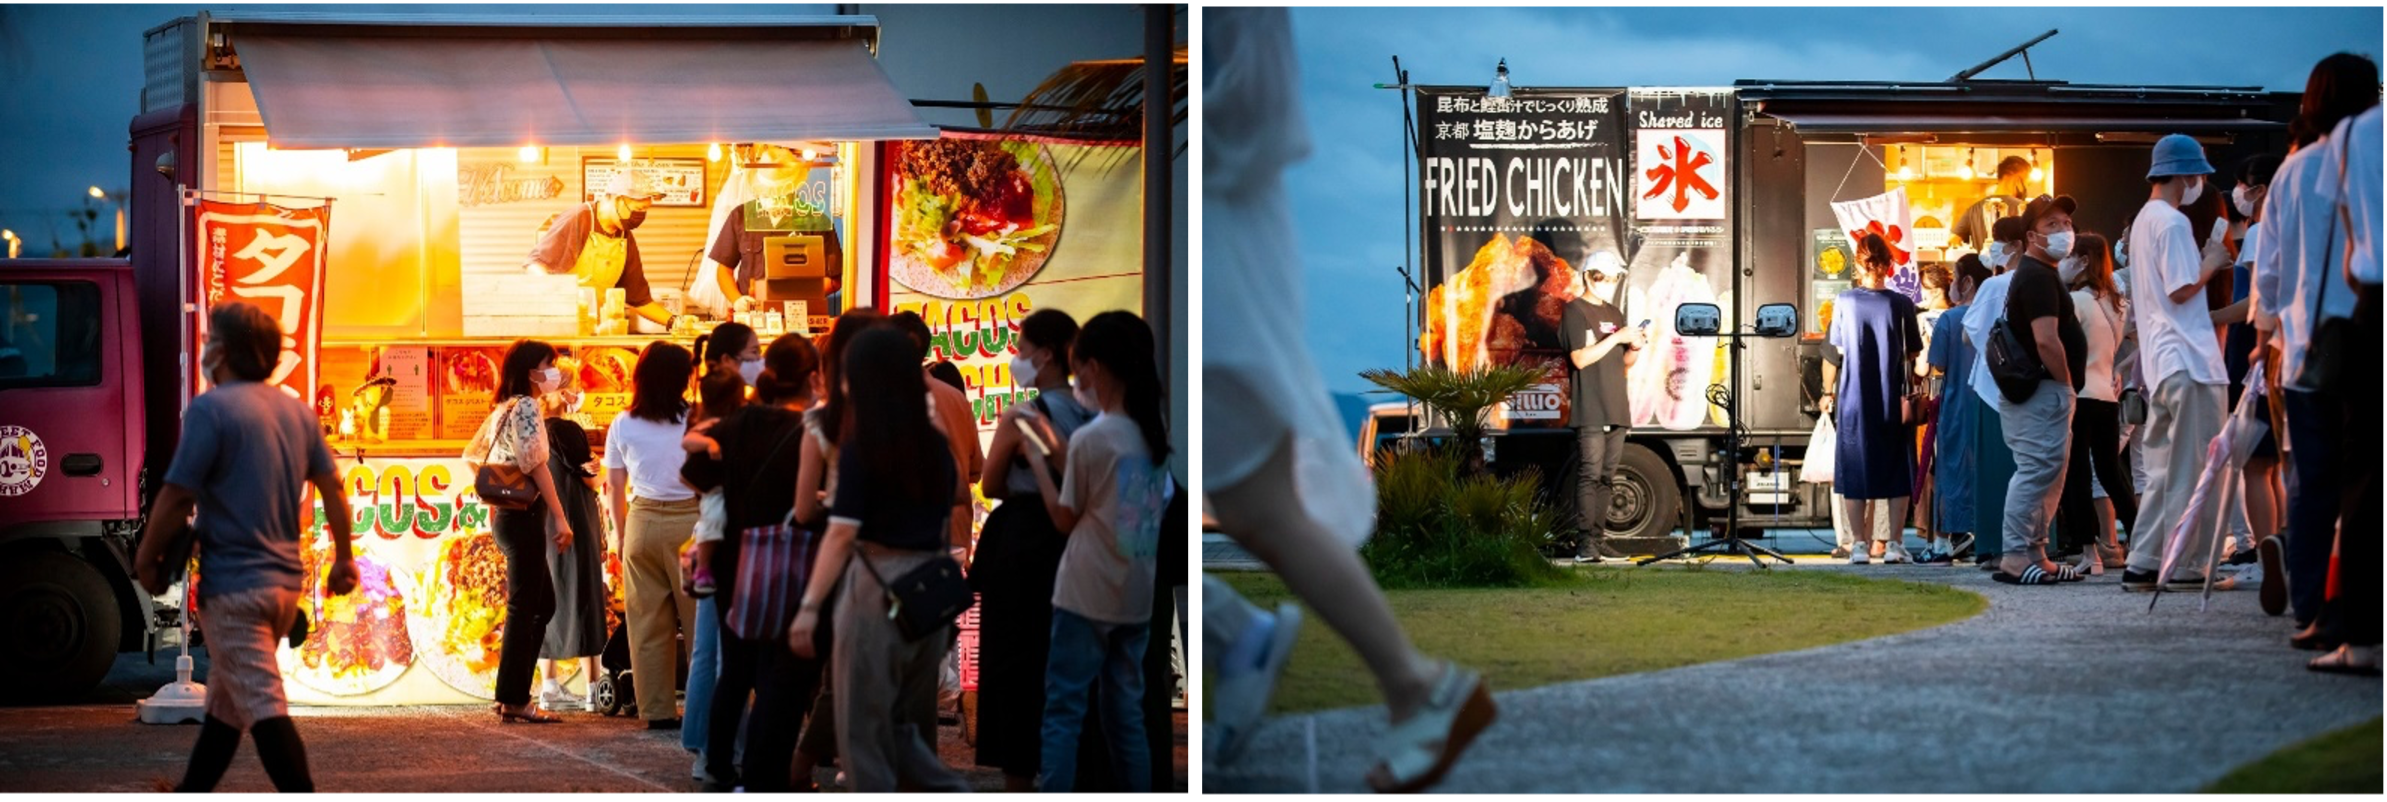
[1098, 100]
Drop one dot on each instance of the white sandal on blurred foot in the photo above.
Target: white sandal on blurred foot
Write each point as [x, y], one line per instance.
[1239, 699]
[1414, 754]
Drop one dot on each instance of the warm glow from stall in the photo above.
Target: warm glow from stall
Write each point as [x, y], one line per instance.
[529, 154]
[810, 154]
[712, 152]
[622, 153]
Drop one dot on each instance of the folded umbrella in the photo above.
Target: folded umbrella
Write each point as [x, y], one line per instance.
[2219, 482]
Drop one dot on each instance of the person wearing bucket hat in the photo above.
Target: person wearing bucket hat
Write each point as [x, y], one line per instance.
[592, 241]
[1600, 348]
[2181, 358]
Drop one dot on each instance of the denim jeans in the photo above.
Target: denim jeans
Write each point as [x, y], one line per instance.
[704, 672]
[2315, 490]
[1083, 651]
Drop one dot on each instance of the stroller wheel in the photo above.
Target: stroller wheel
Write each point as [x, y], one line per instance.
[609, 695]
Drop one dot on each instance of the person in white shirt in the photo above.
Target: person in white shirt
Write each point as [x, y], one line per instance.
[2299, 283]
[1993, 464]
[2351, 615]
[2181, 356]
[2085, 522]
[642, 463]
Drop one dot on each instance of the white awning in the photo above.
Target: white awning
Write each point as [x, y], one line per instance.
[369, 89]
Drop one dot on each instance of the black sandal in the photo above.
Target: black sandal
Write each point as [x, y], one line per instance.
[2031, 575]
[530, 715]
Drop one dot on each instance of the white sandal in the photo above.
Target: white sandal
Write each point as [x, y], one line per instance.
[1414, 754]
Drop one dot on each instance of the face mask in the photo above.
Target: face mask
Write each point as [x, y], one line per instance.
[1994, 256]
[548, 380]
[2238, 198]
[1023, 371]
[2059, 244]
[1083, 393]
[2196, 189]
[633, 220]
[751, 370]
[211, 359]
[2069, 269]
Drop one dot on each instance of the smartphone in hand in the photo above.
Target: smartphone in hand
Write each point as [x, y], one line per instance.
[1030, 433]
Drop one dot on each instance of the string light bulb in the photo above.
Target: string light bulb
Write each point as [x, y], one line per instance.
[1967, 172]
[1906, 169]
[810, 154]
[712, 152]
[622, 153]
[96, 193]
[2037, 175]
[529, 154]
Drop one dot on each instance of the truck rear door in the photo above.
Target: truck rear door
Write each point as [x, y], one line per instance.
[63, 415]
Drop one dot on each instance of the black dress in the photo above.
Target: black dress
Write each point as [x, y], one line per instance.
[1019, 555]
[578, 629]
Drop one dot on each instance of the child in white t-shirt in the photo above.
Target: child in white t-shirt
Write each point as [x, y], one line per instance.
[720, 394]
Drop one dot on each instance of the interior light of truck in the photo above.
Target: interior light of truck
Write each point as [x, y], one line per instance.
[712, 152]
[623, 153]
[1967, 172]
[529, 154]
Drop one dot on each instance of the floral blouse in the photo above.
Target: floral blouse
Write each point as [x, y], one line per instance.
[513, 433]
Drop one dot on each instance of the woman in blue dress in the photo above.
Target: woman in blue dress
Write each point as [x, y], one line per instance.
[1870, 366]
[1953, 459]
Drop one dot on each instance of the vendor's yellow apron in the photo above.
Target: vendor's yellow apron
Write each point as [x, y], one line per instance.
[602, 260]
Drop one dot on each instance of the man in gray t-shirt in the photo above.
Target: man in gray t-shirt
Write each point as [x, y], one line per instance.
[248, 452]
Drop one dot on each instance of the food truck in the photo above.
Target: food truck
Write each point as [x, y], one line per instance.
[1739, 196]
[408, 196]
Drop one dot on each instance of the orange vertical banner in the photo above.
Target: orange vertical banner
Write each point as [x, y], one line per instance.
[273, 257]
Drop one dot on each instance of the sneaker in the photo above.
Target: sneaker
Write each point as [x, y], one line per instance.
[1857, 557]
[1935, 557]
[2275, 583]
[1239, 698]
[2240, 557]
[2139, 581]
[697, 772]
[1896, 554]
[1588, 559]
[559, 699]
[701, 582]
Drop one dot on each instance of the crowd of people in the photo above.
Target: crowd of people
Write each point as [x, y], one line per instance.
[2194, 382]
[801, 527]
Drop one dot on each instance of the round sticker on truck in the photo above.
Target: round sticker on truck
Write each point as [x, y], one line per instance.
[23, 461]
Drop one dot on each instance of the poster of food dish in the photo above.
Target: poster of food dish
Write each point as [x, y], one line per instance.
[1517, 194]
[1682, 228]
[425, 621]
[972, 217]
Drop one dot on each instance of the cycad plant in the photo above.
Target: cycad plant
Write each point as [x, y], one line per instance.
[1464, 397]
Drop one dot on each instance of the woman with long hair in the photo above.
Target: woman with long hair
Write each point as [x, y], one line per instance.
[727, 350]
[2084, 523]
[896, 488]
[756, 473]
[1953, 458]
[1869, 371]
[654, 515]
[732, 347]
[1110, 499]
[1019, 552]
[816, 484]
[516, 434]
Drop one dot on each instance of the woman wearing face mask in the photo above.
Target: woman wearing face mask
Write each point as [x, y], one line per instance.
[515, 434]
[2085, 524]
[578, 629]
[2266, 496]
[1953, 456]
[1019, 551]
[731, 347]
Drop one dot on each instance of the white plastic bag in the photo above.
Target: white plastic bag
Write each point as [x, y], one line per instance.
[1820, 448]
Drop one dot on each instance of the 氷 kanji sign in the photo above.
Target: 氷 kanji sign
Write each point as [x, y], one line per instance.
[1680, 174]
[272, 257]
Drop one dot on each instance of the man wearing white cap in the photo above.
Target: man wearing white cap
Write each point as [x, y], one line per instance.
[1600, 348]
[593, 242]
[2181, 357]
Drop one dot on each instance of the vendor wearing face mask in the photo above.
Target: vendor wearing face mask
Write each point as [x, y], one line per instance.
[1600, 347]
[593, 242]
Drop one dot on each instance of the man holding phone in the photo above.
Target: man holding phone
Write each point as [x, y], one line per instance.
[1600, 347]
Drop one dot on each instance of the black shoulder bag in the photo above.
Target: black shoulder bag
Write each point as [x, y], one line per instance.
[924, 599]
[499, 483]
[2015, 369]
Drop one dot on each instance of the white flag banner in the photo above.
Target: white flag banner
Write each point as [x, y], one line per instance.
[1889, 215]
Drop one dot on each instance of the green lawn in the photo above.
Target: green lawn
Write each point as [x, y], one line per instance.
[2341, 762]
[1612, 621]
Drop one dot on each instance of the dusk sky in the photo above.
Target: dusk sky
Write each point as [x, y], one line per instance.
[1346, 197]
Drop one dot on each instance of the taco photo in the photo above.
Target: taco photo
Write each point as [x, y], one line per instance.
[972, 218]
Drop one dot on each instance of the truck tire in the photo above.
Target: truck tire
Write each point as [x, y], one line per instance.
[1646, 498]
[58, 626]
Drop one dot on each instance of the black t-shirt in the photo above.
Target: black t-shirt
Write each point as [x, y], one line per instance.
[887, 515]
[1599, 392]
[2037, 292]
[761, 448]
[743, 235]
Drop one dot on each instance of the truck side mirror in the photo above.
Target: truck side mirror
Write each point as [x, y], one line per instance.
[1698, 320]
[1778, 320]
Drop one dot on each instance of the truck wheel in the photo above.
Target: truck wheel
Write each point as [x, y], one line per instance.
[1646, 499]
[58, 627]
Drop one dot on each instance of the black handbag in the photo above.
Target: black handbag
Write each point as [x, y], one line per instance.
[503, 486]
[924, 599]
